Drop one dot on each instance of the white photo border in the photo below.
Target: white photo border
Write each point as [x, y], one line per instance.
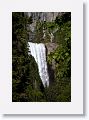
[76, 104]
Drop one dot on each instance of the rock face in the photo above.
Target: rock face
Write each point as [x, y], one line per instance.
[51, 47]
[43, 16]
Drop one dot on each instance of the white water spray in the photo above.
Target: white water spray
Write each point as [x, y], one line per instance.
[38, 51]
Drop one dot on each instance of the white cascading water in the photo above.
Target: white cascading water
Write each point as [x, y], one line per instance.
[38, 51]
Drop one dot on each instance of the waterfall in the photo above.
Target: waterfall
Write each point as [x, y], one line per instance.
[38, 51]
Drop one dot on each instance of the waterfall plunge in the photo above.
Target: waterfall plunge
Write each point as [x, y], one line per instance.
[38, 51]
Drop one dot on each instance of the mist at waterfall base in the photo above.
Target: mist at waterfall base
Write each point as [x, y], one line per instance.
[38, 51]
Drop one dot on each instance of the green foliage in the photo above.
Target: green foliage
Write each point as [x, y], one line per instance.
[62, 36]
[39, 32]
[59, 91]
[51, 26]
[61, 20]
[62, 55]
[34, 94]
[26, 82]
[25, 70]
[61, 88]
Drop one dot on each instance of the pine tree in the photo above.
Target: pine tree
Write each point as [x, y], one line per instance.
[25, 71]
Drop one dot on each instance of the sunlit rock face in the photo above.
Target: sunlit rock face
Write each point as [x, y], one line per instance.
[38, 51]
